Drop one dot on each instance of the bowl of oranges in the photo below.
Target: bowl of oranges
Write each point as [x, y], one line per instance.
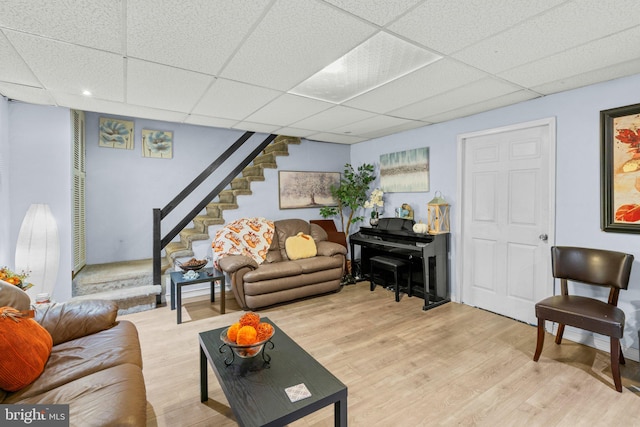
[248, 336]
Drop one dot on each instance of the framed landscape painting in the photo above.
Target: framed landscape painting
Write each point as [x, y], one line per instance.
[307, 189]
[620, 169]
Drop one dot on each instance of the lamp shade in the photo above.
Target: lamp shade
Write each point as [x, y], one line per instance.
[38, 249]
[438, 215]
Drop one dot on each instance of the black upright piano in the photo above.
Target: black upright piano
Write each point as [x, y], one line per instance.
[428, 254]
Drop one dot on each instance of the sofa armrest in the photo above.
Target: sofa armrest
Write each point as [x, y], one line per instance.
[232, 263]
[326, 248]
[75, 319]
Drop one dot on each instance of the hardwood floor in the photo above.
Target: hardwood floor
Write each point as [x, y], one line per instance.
[452, 365]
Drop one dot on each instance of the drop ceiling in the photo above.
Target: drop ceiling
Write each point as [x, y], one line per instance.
[236, 64]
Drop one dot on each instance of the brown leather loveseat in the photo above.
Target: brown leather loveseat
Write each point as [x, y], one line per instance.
[279, 279]
[95, 365]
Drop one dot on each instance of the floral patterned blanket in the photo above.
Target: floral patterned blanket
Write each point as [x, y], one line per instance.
[245, 236]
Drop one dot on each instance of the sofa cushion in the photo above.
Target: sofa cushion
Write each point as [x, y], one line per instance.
[274, 270]
[319, 263]
[84, 356]
[25, 347]
[300, 246]
[113, 397]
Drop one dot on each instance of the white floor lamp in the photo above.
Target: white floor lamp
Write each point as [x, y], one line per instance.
[38, 249]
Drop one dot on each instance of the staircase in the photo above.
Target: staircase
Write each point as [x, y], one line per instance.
[130, 283]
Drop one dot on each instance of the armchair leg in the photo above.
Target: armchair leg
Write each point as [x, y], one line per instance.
[540, 342]
[560, 333]
[615, 359]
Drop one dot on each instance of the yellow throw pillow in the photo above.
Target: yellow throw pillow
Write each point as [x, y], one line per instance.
[300, 246]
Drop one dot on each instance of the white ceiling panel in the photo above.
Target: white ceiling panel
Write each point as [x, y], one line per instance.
[199, 35]
[71, 68]
[288, 109]
[93, 23]
[339, 139]
[195, 119]
[12, 68]
[472, 93]
[164, 87]
[30, 94]
[235, 64]
[293, 41]
[562, 28]
[256, 127]
[604, 74]
[579, 60]
[426, 82]
[448, 26]
[231, 99]
[370, 125]
[490, 104]
[333, 117]
[380, 12]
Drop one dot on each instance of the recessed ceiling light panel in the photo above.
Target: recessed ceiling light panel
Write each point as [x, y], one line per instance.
[377, 61]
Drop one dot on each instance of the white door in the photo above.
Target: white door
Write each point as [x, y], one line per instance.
[507, 217]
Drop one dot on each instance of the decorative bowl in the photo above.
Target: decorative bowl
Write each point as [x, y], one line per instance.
[192, 265]
[244, 351]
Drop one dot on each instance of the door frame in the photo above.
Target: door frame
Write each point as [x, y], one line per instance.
[550, 123]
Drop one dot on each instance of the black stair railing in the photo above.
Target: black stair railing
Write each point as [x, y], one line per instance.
[159, 242]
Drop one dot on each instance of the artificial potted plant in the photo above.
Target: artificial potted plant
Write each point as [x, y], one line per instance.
[351, 194]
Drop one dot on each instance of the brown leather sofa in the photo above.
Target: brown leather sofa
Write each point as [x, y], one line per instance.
[279, 279]
[95, 366]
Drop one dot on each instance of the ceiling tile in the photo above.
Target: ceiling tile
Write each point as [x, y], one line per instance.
[199, 35]
[276, 56]
[589, 57]
[332, 137]
[164, 87]
[609, 73]
[93, 23]
[288, 109]
[379, 12]
[300, 133]
[72, 68]
[233, 99]
[370, 125]
[472, 93]
[448, 26]
[12, 68]
[567, 26]
[428, 81]
[195, 119]
[490, 104]
[256, 127]
[395, 129]
[85, 103]
[30, 94]
[333, 117]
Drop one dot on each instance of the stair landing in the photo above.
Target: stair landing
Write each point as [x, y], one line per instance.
[128, 283]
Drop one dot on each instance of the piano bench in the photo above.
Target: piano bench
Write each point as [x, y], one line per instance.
[393, 265]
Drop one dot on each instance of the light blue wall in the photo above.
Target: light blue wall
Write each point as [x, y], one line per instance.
[40, 158]
[577, 175]
[123, 186]
[5, 218]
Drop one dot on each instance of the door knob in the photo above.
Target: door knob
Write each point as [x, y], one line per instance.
[543, 237]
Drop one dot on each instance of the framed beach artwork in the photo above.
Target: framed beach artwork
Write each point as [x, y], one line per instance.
[620, 169]
[307, 189]
[116, 133]
[405, 171]
[157, 144]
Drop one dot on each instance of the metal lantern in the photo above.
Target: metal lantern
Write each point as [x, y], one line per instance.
[438, 215]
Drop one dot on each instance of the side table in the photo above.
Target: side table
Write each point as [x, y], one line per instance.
[204, 275]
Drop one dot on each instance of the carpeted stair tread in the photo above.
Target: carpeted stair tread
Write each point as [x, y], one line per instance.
[129, 300]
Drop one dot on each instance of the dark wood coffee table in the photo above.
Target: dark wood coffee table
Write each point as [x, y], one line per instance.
[255, 389]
